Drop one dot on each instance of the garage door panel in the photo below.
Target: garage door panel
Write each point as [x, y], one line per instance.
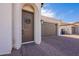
[49, 29]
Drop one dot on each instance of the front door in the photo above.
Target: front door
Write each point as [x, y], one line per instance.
[27, 26]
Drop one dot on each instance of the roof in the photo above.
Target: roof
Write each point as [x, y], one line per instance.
[50, 19]
[62, 23]
[70, 24]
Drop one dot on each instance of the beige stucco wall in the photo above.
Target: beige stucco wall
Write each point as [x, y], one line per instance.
[54, 21]
[50, 20]
[11, 26]
[17, 24]
[5, 28]
[37, 24]
[28, 8]
[76, 30]
[68, 29]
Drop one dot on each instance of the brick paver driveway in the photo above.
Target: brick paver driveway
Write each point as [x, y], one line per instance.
[51, 46]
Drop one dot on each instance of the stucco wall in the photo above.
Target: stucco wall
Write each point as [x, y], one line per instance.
[37, 24]
[5, 28]
[11, 26]
[76, 30]
[68, 29]
[17, 24]
[17, 14]
[52, 20]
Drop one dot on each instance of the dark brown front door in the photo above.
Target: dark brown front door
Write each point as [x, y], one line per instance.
[27, 26]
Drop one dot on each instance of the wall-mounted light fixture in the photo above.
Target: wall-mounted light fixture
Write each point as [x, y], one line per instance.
[42, 4]
[42, 21]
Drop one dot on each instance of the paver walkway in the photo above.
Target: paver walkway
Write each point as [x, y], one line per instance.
[50, 46]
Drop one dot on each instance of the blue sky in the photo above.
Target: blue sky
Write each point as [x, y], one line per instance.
[69, 12]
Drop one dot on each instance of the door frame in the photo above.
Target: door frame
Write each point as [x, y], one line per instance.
[32, 28]
[17, 20]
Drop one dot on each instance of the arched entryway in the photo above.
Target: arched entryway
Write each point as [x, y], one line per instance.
[33, 9]
[27, 24]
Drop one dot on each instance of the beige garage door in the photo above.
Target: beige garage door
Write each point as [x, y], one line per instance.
[73, 30]
[49, 29]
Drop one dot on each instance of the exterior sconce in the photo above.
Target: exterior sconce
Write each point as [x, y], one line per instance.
[42, 21]
[42, 4]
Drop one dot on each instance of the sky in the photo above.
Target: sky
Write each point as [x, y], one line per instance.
[68, 12]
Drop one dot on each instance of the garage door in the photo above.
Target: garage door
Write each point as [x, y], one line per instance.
[49, 29]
